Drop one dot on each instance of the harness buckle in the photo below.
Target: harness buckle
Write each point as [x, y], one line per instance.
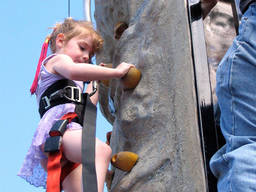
[53, 143]
[46, 102]
[75, 94]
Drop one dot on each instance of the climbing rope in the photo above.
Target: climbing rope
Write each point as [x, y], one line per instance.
[68, 8]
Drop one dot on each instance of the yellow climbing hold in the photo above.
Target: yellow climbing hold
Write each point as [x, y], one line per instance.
[108, 136]
[120, 27]
[131, 79]
[124, 160]
[109, 178]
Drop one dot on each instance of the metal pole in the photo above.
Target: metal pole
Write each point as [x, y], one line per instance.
[235, 15]
[87, 10]
[207, 128]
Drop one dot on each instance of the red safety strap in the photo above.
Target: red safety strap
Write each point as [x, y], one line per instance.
[56, 173]
[69, 116]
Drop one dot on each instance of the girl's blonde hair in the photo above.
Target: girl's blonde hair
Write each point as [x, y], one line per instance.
[72, 28]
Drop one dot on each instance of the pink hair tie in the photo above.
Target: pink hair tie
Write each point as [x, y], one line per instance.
[42, 57]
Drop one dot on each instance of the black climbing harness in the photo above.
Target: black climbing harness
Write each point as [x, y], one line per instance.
[66, 91]
[60, 92]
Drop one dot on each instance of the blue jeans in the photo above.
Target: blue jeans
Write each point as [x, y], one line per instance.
[235, 163]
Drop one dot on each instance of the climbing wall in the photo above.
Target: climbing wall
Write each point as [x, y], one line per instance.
[158, 119]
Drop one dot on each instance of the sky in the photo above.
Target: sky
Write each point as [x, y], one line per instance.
[24, 26]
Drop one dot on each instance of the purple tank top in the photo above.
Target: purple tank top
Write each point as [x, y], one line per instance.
[46, 79]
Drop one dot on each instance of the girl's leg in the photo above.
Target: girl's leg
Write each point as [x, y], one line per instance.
[73, 181]
[102, 159]
[72, 150]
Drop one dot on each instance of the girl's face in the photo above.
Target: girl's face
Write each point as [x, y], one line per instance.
[79, 48]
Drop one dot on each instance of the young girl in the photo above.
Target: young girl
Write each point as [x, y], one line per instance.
[73, 43]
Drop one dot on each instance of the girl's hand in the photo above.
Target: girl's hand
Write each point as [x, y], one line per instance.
[123, 68]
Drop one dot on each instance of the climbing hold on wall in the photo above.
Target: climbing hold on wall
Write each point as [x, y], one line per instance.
[106, 82]
[131, 79]
[109, 178]
[124, 160]
[108, 137]
[120, 27]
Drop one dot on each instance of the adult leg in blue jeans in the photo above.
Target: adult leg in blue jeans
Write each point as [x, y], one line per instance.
[235, 163]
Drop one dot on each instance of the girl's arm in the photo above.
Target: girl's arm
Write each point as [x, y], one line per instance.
[207, 5]
[64, 66]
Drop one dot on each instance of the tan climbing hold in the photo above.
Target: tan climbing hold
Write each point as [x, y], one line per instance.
[108, 136]
[106, 82]
[109, 178]
[124, 160]
[131, 79]
[120, 27]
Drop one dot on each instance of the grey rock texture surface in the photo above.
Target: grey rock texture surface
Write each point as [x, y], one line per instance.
[158, 119]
